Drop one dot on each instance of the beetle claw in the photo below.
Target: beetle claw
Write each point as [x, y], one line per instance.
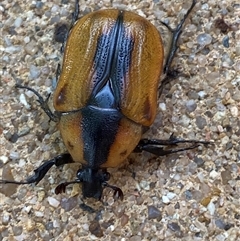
[118, 194]
[61, 188]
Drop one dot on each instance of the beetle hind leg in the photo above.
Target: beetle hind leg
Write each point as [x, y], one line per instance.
[175, 36]
[157, 146]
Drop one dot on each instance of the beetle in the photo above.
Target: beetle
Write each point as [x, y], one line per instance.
[107, 92]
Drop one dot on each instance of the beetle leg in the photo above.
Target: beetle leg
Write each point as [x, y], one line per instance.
[176, 34]
[43, 103]
[41, 171]
[74, 19]
[61, 188]
[155, 146]
[75, 13]
[118, 194]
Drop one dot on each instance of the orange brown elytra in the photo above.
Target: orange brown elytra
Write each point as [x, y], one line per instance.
[107, 92]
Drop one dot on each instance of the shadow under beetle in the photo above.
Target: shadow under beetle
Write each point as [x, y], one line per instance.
[107, 92]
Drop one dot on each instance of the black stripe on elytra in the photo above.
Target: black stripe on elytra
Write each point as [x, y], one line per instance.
[111, 63]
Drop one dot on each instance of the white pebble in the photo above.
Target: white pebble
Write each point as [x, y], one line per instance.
[211, 208]
[144, 185]
[14, 155]
[162, 106]
[23, 100]
[213, 174]
[234, 111]
[39, 214]
[204, 39]
[202, 94]
[26, 39]
[165, 199]
[53, 202]
[56, 224]
[34, 72]
[27, 209]
[225, 140]
[18, 22]
[55, 9]
[171, 195]
[4, 159]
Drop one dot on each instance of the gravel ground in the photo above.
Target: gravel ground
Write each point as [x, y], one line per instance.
[194, 195]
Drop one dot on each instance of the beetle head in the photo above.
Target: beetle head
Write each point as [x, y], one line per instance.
[93, 181]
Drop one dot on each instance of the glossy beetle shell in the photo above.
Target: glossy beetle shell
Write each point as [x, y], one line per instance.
[108, 86]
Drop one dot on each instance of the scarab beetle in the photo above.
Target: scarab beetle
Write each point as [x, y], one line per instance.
[107, 92]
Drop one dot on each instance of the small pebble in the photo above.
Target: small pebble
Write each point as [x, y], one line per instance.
[211, 208]
[201, 122]
[5, 219]
[135, 238]
[39, 214]
[4, 159]
[34, 72]
[18, 22]
[17, 230]
[188, 194]
[39, 4]
[144, 185]
[69, 203]
[234, 111]
[193, 95]
[226, 176]
[119, 210]
[202, 94]
[14, 155]
[199, 161]
[165, 199]
[191, 105]
[220, 223]
[153, 213]
[171, 195]
[124, 220]
[184, 121]
[174, 227]
[225, 42]
[204, 39]
[213, 174]
[23, 100]
[95, 229]
[162, 106]
[56, 223]
[227, 60]
[53, 202]
[31, 48]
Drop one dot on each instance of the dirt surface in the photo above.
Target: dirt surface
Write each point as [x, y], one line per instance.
[194, 195]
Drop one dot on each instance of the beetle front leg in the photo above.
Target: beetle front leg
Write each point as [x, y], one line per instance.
[155, 146]
[41, 171]
[43, 103]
